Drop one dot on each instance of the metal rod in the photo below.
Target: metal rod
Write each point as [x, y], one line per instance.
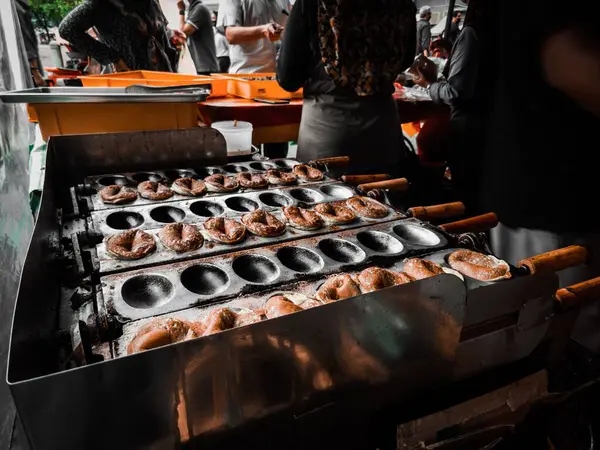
[449, 16]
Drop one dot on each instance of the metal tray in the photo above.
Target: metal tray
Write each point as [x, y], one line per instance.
[132, 179]
[307, 288]
[163, 255]
[96, 95]
[154, 291]
[195, 210]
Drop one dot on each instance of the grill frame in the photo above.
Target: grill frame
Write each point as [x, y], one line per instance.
[139, 398]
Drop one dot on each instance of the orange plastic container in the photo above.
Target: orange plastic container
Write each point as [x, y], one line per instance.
[124, 79]
[250, 86]
[85, 118]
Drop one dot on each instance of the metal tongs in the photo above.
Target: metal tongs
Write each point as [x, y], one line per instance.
[195, 89]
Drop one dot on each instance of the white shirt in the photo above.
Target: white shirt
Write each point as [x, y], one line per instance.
[221, 44]
[258, 56]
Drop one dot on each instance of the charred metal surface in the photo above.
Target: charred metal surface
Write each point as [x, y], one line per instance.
[193, 210]
[162, 255]
[148, 292]
[350, 357]
[94, 184]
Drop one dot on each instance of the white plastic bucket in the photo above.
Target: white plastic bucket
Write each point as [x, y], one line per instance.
[238, 136]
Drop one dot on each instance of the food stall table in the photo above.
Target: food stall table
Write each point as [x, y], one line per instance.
[281, 123]
[272, 123]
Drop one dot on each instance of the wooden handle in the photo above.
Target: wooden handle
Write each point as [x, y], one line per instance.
[435, 212]
[578, 294]
[396, 185]
[333, 161]
[355, 180]
[473, 225]
[556, 260]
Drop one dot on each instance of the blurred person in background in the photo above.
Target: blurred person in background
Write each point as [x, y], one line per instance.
[252, 28]
[30, 41]
[222, 47]
[452, 34]
[183, 7]
[537, 172]
[346, 55]
[424, 31]
[200, 37]
[133, 35]
[465, 89]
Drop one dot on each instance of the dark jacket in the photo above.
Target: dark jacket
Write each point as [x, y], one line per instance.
[119, 34]
[540, 144]
[423, 36]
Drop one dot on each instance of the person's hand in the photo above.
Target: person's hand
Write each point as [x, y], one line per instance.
[420, 80]
[38, 80]
[273, 31]
[121, 66]
[178, 37]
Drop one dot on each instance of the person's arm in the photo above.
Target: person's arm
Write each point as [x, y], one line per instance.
[571, 64]
[30, 41]
[464, 67]
[232, 26]
[73, 28]
[294, 61]
[240, 35]
[196, 19]
[181, 10]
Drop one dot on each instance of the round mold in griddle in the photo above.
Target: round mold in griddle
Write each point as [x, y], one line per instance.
[306, 195]
[416, 235]
[205, 208]
[176, 174]
[241, 204]
[124, 220]
[256, 269]
[204, 279]
[167, 214]
[380, 242]
[336, 191]
[285, 163]
[204, 172]
[140, 177]
[235, 168]
[119, 180]
[342, 251]
[300, 259]
[262, 166]
[275, 200]
[147, 291]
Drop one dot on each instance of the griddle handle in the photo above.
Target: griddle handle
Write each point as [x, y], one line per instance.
[556, 260]
[330, 162]
[436, 212]
[475, 224]
[355, 180]
[577, 295]
[396, 185]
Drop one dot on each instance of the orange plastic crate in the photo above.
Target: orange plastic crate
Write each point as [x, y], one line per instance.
[148, 77]
[246, 85]
[85, 118]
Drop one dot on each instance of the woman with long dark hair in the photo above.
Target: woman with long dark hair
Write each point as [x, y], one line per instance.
[346, 55]
[133, 34]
